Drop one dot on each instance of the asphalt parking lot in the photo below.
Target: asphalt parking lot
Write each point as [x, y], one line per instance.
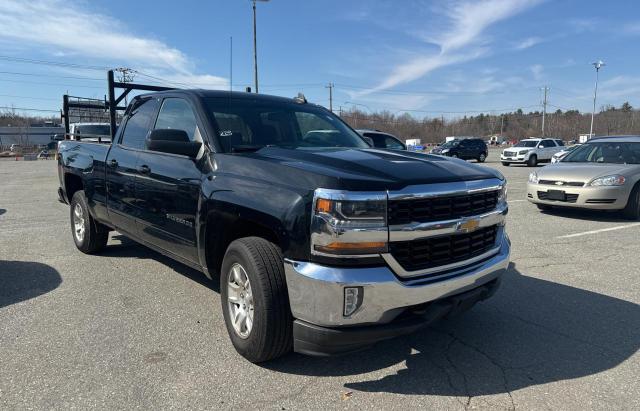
[133, 329]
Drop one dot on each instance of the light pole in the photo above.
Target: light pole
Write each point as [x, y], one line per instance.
[598, 65]
[255, 45]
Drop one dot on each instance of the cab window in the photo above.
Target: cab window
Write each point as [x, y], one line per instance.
[138, 122]
[176, 114]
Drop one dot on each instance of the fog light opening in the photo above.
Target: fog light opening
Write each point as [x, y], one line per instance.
[352, 299]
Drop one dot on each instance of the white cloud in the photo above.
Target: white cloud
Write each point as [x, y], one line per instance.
[462, 40]
[70, 28]
[528, 42]
[537, 70]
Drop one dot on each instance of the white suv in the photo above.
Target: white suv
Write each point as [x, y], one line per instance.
[531, 151]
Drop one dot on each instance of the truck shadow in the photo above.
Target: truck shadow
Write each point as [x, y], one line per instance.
[532, 332]
[23, 280]
[128, 248]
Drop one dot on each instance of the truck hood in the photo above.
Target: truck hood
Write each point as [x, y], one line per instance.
[584, 172]
[354, 169]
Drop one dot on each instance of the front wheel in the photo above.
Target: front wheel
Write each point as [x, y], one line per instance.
[255, 303]
[632, 210]
[482, 158]
[454, 155]
[544, 207]
[533, 161]
[88, 235]
[505, 164]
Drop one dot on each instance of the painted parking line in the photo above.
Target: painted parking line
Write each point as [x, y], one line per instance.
[515, 201]
[620, 227]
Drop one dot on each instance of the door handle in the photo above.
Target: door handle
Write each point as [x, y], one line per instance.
[113, 163]
[144, 169]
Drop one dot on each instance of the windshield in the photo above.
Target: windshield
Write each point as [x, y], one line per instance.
[247, 124]
[96, 130]
[605, 152]
[450, 144]
[527, 143]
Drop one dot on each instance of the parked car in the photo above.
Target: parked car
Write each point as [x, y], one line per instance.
[466, 149]
[557, 157]
[531, 151]
[602, 174]
[321, 243]
[383, 140]
[90, 132]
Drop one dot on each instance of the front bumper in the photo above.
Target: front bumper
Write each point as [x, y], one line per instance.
[316, 340]
[514, 159]
[595, 198]
[316, 292]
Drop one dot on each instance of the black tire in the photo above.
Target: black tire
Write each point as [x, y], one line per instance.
[505, 164]
[482, 157]
[632, 210]
[270, 335]
[533, 161]
[544, 207]
[94, 235]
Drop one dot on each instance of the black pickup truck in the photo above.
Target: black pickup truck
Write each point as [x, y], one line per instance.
[322, 244]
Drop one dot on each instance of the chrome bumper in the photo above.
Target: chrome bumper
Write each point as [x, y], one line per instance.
[316, 292]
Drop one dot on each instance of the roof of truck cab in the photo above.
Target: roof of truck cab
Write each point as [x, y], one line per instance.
[201, 93]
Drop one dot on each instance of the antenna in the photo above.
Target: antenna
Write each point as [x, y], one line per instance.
[231, 63]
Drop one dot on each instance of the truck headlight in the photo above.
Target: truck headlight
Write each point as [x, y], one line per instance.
[502, 195]
[613, 180]
[533, 178]
[446, 150]
[348, 224]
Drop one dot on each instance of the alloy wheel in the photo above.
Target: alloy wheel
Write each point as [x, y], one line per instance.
[240, 301]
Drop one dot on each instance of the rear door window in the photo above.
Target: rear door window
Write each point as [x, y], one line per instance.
[138, 123]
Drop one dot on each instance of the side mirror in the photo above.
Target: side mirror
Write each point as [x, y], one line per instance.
[369, 140]
[172, 142]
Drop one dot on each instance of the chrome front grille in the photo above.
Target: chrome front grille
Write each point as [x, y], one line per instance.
[441, 208]
[441, 228]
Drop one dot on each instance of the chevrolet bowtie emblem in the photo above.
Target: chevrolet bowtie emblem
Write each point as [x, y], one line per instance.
[468, 226]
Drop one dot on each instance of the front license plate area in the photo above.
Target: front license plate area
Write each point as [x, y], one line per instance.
[557, 195]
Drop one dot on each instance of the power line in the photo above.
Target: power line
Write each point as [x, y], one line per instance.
[51, 75]
[50, 84]
[51, 63]
[29, 97]
[28, 109]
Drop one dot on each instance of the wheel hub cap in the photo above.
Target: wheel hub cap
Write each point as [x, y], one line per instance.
[78, 222]
[240, 301]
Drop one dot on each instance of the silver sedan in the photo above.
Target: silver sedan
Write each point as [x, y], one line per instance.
[603, 174]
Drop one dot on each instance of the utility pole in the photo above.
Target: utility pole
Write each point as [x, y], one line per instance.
[255, 46]
[502, 125]
[544, 107]
[330, 86]
[598, 65]
[125, 75]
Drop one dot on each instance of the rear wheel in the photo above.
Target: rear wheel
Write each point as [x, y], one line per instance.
[533, 161]
[255, 303]
[482, 158]
[632, 210]
[88, 235]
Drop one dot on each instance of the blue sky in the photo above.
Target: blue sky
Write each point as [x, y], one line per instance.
[430, 58]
